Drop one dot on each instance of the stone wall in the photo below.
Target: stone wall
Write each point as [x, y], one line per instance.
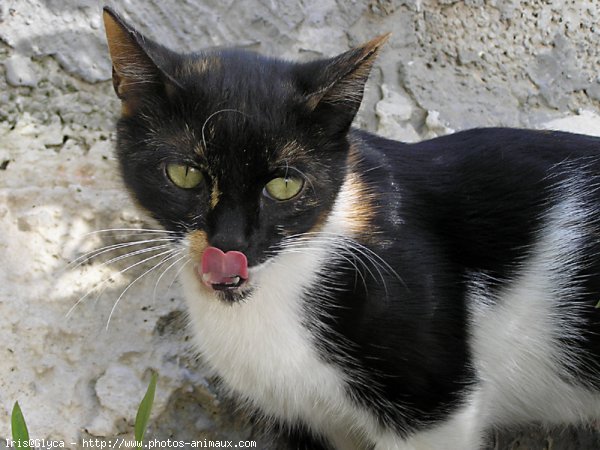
[78, 359]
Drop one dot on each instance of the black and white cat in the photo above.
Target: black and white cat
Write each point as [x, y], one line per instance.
[371, 293]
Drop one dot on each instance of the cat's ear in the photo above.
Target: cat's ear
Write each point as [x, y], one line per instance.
[135, 71]
[338, 84]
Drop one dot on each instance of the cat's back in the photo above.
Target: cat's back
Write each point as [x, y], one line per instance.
[485, 195]
[486, 152]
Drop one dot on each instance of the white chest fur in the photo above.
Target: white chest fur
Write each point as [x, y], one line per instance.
[265, 354]
[263, 349]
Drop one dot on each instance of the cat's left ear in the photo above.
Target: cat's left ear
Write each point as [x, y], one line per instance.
[336, 86]
[137, 63]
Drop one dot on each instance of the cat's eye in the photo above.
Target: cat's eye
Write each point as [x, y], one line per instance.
[185, 177]
[284, 188]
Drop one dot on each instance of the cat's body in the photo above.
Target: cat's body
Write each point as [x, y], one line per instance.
[373, 293]
[521, 321]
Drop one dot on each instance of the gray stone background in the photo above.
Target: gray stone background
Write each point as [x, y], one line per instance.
[76, 373]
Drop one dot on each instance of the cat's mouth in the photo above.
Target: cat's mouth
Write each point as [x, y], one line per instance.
[227, 284]
[222, 271]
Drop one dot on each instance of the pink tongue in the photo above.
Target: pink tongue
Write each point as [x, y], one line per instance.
[223, 268]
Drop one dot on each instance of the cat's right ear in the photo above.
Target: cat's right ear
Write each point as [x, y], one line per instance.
[333, 88]
[134, 71]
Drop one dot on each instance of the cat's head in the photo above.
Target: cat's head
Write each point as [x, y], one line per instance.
[233, 150]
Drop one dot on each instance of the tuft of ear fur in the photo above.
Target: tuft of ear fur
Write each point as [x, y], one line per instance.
[339, 82]
[134, 70]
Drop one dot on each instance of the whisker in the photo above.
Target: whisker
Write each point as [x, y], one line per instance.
[214, 114]
[306, 177]
[361, 253]
[128, 255]
[99, 251]
[300, 250]
[165, 271]
[140, 230]
[330, 235]
[177, 273]
[134, 253]
[375, 265]
[160, 263]
[107, 279]
[373, 168]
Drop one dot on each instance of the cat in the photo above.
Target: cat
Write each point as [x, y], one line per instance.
[362, 292]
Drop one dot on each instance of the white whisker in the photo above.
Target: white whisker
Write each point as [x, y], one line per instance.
[356, 244]
[214, 114]
[160, 263]
[165, 271]
[301, 250]
[99, 251]
[132, 230]
[306, 177]
[134, 253]
[107, 279]
[360, 253]
[177, 273]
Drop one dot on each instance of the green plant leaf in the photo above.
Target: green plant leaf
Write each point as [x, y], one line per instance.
[598, 305]
[19, 428]
[144, 410]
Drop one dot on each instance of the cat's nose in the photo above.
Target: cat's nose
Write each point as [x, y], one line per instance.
[227, 229]
[228, 240]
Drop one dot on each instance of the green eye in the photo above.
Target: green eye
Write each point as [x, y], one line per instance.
[185, 177]
[284, 188]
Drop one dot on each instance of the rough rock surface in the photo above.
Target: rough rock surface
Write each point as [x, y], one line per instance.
[78, 363]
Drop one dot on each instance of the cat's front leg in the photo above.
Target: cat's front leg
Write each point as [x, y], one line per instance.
[462, 430]
[333, 439]
[393, 442]
[302, 440]
[426, 441]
